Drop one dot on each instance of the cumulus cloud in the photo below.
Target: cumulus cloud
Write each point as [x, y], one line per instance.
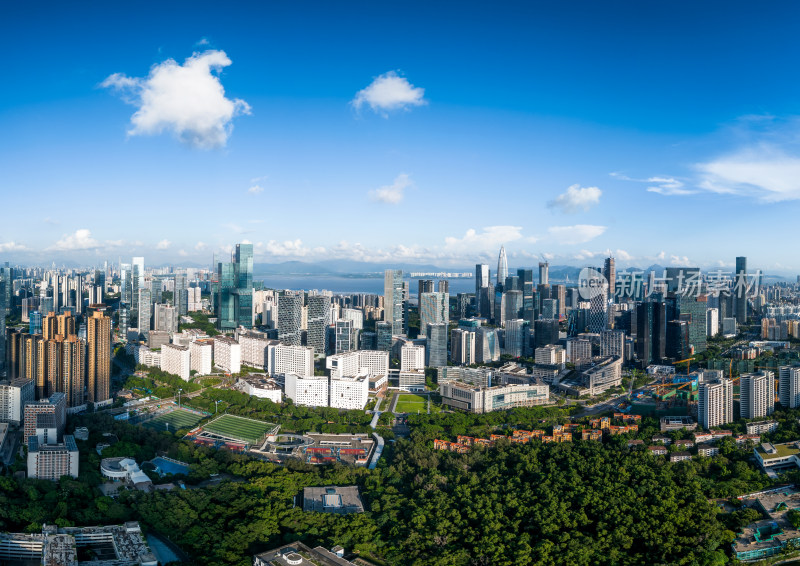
[12, 247]
[392, 194]
[766, 173]
[577, 198]
[187, 100]
[255, 189]
[576, 234]
[163, 245]
[200, 246]
[489, 238]
[182, 253]
[80, 240]
[389, 91]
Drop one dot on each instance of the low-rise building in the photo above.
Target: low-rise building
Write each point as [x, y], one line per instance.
[745, 439]
[604, 374]
[486, 399]
[707, 450]
[679, 456]
[51, 461]
[677, 423]
[660, 439]
[260, 386]
[311, 391]
[772, 457]
[340, 500]
[125, 470]
[683, 444]
[658, 450]
[761, 427]
[298, 554]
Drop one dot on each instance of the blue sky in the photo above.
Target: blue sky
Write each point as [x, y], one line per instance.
[663, 132]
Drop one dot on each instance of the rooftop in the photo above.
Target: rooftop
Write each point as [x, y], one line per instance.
[769, 451]
[332, 499]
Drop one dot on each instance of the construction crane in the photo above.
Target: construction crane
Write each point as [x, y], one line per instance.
[688, 362]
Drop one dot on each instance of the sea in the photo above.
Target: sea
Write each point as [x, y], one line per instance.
[347, 284]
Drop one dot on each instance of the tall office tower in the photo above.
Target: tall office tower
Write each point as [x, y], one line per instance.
[513, 305]
[512, 283]
[346, 336]
[481, 282]
[712, 322]
[525, 280]
[290, 318]
[692, 309]
[143, 322]
[180, 296]
[100, 281]
[462, 305]
[544, 273]
[677, 339]
[137, 283]
[156, 291]
[443, 286]
[740, 290]
[436, 351]
[499, 306]
[124, 321]
[516, 338]
[757, 395]
[393, 300]
[319, 312]
[559, 293]
[383, 336]
[598, 310]
[651, 333]
[3, 285]
[35, 322]
[715, 402]
[165, 318]
[72, 370]
[125, 283]
[424, 286]
[610, 273]
[612, 343]
[434, 308]
[487, 302]
[502, 267]
[462, 346]
[487, 345]
[789, 386]
[234, 304]
[545, 332]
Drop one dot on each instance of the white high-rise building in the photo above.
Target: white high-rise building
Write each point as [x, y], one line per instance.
[201, 356]
[14, 395]
[298, 360]
[462, 346]
[515, 337]
[51, 461]
[255, 349]
[354, 315]
[176, 360]
[757, 395]
[349, 392]
[412, 358]
[550, 355]
[195, 303]
[227, 354]
[715, 402]
[502, 266]
[358, 362]
[789, 386]
[311, 391]
[166, 318]
[712, 322]
[394, 298]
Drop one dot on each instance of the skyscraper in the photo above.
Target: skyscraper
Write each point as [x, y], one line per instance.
[180, 295]
[318, 319]
[715, 402]
[424, 286]
[740, 290]
[757, 395]
[481, 282]
[143, 321]
[502, 267]
[789, 386]
[610, 273]
[434, 308]
[346, 336]
[137, 283]
[290, 318]
[234, 304]
[393, 300]
[544, 273]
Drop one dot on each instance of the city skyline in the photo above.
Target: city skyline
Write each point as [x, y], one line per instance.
[578, 148]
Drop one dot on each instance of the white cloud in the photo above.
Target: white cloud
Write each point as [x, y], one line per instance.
[80, 240]
[490, 238]
[255, 189]
[163, 245]
[577, 198]
[293, 248]
[667, 186]
[764, 172]
[200, 246]
[182, 253]
[11, 247]
[392, 194]
[577, 234]
[678, 260]
[622, 255]
[389, 91]
[187, 100]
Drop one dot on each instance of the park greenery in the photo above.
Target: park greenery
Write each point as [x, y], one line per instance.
[200, 323]
[583, 502]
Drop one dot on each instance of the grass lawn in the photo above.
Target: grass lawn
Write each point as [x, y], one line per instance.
[239, 428]
[174, 420]
[411, 404]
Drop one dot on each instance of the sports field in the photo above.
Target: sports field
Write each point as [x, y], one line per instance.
[174, 420]
[411, 404]
[239, 428]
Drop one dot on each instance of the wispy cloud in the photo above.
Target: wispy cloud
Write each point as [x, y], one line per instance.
[662, 185]
[389, 91]
[577, 198]
[488, 239]
[255, 189]
[187, 100]
[765, 172]
[12, 247]
[576, 234]
[394, 193]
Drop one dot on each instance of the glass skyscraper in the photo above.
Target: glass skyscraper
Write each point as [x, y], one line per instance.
[234, 305]
[393, 300]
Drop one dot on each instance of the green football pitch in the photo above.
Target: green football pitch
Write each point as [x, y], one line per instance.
[238, 428]
[174, 420]
[411, 404]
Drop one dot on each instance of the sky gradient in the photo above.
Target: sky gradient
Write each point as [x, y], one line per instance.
[663, 132]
